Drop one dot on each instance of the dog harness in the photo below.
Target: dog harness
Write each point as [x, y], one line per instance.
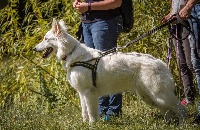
[93, 67]
[89, 66]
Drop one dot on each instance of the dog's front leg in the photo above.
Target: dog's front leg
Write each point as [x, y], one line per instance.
[84, 108]
[91, 99]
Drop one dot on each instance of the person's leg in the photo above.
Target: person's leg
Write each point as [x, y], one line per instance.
[194, 42]
[195, 48]
[190, 90]
[87, 34]
[104, 35]
[115, 105]
[103, 105]
[182, 53]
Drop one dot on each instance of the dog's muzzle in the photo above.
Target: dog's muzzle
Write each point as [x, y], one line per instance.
[46, 51]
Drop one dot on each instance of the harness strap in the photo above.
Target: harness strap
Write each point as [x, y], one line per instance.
[89, 66]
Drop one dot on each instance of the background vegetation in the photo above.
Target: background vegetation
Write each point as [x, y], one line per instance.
[34, 93]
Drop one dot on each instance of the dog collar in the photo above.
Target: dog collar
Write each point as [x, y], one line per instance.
[65, 57]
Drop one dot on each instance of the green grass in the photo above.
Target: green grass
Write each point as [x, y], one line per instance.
[67, 116]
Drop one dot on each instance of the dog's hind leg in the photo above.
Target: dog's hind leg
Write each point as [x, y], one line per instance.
[166, 102]
[165, 112]
[170, 112]
[169, 105]
[91, 99]
[84, 108]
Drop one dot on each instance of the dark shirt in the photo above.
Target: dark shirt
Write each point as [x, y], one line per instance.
[96, 15]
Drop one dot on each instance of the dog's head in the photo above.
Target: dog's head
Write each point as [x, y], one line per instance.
[52, 42]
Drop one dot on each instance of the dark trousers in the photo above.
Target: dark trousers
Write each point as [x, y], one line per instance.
[183, 54]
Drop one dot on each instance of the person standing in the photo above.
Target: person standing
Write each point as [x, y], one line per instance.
[190, 11]
[102, 23]
[183, 53]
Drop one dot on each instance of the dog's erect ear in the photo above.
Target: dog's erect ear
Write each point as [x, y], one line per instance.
[56, 27]
[62, 24]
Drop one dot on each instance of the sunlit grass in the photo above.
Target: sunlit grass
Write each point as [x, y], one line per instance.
[136, 116]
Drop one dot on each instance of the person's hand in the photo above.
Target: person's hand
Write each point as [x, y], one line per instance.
[82, 7]
[75, 3]
[185, 13]
[166, 18]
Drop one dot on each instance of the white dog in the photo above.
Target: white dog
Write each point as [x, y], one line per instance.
[113, 73]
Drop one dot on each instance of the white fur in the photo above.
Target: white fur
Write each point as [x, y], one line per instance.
[142, 74]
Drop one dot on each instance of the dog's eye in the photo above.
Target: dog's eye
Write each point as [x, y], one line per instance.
[45, 39]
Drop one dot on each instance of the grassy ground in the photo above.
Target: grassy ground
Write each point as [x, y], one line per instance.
[56, 106]
[136, 116]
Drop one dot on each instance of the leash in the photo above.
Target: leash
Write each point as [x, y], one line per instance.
[140, 37]
[184, 24]
[150, 32]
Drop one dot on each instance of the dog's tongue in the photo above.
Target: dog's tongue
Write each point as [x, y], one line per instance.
[47, 52]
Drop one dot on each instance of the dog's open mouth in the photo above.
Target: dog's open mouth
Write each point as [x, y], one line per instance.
[47, 52]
